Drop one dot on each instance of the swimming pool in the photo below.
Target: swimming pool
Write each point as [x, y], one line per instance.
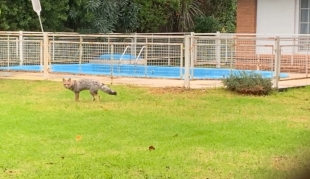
[126, 70]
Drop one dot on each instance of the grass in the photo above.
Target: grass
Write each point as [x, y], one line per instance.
[211, 133]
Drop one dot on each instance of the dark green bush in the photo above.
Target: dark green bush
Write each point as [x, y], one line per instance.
[207, 24]
[248, 83]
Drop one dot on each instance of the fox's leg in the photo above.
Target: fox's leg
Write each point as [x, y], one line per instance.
[77, 95]
[94, 93]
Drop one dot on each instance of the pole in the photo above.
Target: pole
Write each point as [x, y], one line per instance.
[187, 62]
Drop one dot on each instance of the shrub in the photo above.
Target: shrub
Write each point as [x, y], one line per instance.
[248, 83]
[207, 24]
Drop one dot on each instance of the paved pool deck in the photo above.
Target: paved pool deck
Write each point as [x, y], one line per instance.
[295, 80]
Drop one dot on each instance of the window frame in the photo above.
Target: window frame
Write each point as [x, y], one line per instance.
[301, 16]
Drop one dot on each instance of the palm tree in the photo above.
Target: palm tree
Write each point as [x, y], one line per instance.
[188, 11]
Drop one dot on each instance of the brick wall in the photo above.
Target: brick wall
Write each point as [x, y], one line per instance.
[246, 16]
[296, 63]
[246, 23]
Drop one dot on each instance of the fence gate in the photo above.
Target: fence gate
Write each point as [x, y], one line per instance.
[117, 59]
[226, 54]
[295, 56]
[16, 52]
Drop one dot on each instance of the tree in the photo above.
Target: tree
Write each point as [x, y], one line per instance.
[168, 15]
[187, 12]
[19, 15]
[205, 24]
[14, 16]
[54, 14]
[79, 18]
[103, 16]
[154, 15]
[128, 17]
[223, 10]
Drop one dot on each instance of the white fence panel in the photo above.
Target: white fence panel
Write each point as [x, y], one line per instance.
[210, 56]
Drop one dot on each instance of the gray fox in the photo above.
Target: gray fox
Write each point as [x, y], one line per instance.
[87, 84]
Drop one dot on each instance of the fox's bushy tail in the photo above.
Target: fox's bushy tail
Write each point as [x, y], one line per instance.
[107, 90]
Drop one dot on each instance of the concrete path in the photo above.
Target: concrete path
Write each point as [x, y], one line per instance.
[195, 84]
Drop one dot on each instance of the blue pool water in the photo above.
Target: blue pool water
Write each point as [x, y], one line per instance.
[117, 57]
[136, 70]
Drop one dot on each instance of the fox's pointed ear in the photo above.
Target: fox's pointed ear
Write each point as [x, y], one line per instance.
[63, 79]
[69, 79]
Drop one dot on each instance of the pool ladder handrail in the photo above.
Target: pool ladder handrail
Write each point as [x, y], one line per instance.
[130, 47]
[124, 53]
[140, 53]
[136, 60]
[119, 67]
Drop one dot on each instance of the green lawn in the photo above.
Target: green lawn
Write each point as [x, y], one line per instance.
[201, 134]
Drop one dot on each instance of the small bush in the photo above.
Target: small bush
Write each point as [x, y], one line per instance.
[248, 83]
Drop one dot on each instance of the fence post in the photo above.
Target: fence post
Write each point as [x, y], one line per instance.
[81, 53]
[187, 61]
[145, 58]
[307, 61]
[277, 62]
[169, 60]
[134, 46]
[112, 60]
[193, 52]
[53, 49]
[21, 55]
[8, 55]
[45, 56]
[218, 50]
[41, 56]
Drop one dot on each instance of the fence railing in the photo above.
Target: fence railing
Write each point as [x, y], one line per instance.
[184, 56]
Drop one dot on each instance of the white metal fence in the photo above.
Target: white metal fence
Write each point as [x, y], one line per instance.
[184, 56]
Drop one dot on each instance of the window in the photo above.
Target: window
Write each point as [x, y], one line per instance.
[304, 26]
[304, 17]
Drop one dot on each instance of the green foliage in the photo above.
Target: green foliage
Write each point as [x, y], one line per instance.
[128, 16]
[154, 15]
[206, 25]
[227, 18]
[16, 16]
[168, 16]
[104, 16]
[93, 16]
[224, 11]
[79, 18]
[188, 10]
[19, 15]
[248, 83]
[54, 14]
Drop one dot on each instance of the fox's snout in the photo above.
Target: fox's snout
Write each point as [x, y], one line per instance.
[67, 85]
